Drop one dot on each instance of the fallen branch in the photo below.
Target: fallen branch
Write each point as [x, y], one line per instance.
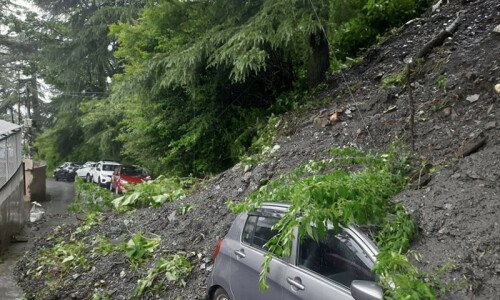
[439, 39]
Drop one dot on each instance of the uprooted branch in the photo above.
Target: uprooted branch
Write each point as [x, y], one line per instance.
[439, 39]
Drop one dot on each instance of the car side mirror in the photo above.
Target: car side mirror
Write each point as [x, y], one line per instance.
[366, 290]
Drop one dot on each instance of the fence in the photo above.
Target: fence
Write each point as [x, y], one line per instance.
[11, 182]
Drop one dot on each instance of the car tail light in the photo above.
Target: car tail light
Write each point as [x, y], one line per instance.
[217, 249]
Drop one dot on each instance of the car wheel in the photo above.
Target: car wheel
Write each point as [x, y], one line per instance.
[220, 294]
[87, 178]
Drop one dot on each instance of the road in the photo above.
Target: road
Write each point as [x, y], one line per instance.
[59, 195]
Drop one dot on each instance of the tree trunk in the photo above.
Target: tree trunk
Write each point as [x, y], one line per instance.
[35, 103]
[319, 62]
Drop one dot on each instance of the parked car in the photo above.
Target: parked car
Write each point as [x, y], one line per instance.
[102, 172]
[125, 175]
[337, 267]
[66, 171]
[84, 171]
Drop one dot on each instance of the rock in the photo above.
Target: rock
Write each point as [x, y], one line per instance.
[497, 88]
[490, 125]
[348, 113]
[391, 108]
[472, 98]
[489, 109]
[473, 145]
[471, 76]
[496, 29]
[335, 118]
[447, 111]
[246, 177]
[378, 76]
[247, 168]
[275, 148]
[321, 122]
[172, 217]
[122, 274]
[75, 276]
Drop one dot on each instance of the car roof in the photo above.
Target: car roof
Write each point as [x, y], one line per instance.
[109, 162]
[281, 207]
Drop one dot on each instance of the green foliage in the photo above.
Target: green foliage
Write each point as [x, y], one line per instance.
[61, 258]
[326, 192]
[155, 192]
[185, 208]
[139, 247]
[262, 145]
[193, 82]
[103, 246]
[173, 268]
[91, 219]
[441, 82]
[395, 79]
[90, 197]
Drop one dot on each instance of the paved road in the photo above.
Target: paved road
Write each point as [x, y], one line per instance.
[59, 195]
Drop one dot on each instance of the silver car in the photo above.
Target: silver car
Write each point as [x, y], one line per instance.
[337, 267]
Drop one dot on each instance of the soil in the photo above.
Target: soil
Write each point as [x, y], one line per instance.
[59, 195]
[457, 212]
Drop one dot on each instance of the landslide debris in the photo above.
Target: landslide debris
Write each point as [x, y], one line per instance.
[457, 212]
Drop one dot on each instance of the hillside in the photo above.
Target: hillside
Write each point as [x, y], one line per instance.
[457, 209]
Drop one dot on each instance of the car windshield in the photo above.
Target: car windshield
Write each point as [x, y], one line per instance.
[109, 167]
[337, 257]
[132, 171]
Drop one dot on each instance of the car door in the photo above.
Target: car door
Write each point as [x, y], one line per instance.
[325, 269]
[247, 259]
[96, 172]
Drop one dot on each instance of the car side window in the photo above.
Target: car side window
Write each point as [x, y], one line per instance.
[258, 230]
[337, 257]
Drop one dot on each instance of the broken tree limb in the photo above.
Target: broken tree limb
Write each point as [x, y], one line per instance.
[439, 39]
[412, 104]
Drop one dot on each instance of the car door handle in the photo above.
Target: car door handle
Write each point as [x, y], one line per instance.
[240, 253]
[296, 283]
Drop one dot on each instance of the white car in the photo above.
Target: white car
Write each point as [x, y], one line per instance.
[84, 171]
[102, 172]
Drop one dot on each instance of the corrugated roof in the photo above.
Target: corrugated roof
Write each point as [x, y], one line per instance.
[7, 128]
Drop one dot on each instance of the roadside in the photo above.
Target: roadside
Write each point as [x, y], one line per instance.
[59, 195]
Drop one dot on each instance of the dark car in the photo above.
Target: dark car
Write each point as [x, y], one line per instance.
[66, 171]
[336, 267]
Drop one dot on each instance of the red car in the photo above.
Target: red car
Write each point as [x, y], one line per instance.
[125, 175]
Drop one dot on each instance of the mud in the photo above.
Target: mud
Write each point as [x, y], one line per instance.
[457, 212]
[59, 195]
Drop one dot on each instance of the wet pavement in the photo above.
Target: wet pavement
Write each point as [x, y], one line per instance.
[59, 195]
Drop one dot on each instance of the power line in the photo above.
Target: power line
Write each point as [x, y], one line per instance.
[343, 77]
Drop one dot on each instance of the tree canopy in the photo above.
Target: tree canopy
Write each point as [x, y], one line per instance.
[182, 87]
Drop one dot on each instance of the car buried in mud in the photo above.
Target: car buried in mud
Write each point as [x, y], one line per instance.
[337, 267]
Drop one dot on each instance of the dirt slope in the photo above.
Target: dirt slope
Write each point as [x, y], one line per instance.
[458, 212]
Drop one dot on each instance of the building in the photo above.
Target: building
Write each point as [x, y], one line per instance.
[11, 182]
